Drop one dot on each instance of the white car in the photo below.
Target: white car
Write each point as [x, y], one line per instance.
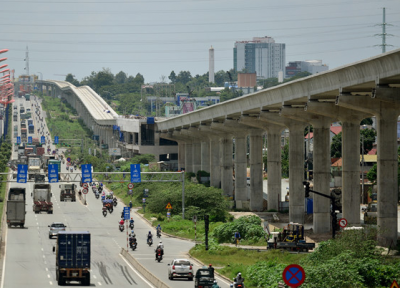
[55, 228]
[180, 268]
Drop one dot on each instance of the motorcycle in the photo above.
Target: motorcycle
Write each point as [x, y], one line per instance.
[131, 225]
[158, 234]
[121, 227]
[150, 242]
[115, 201]
[104, 211]
[132, 244]
[159, 257]
[74, 167]
[97, 195]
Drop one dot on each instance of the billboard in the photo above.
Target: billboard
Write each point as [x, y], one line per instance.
[114, 151]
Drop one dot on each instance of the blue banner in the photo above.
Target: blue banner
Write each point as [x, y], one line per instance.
[53, 173]
[135, 173]
[18, 139]
[55, 139]
[43, 140]
[22, 175]
[86, 173]
[30, 140]
[127, 213]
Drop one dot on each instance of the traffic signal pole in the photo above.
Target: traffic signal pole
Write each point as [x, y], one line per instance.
[333, 212]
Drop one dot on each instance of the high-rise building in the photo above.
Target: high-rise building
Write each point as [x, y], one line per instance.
[211, 65]
[261, 56]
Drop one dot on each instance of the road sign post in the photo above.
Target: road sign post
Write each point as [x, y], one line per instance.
[195, 227]
[343, 222]
[135, 173]
[294, 275]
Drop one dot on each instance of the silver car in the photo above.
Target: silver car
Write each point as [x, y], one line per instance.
[55, 228]
[180, 268]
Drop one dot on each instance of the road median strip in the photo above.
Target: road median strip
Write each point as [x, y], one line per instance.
[142, 270]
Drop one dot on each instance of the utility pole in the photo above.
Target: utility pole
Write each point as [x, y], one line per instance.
[362, 168]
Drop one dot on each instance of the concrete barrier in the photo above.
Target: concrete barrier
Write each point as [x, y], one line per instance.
[142, 270]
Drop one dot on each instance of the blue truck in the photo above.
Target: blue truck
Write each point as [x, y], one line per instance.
[31, 128]
[73, 257]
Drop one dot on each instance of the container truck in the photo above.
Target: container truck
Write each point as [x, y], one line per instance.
[31, 128]
[22, 110]
[30, 121]
[40, 151]
[16, 207]
[24, 135]
[73, 257]
[15, 116]
[42, 198]
[67, 192]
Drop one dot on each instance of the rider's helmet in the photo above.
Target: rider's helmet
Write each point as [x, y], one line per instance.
[131, 218]
[160, 243]
[240, 274]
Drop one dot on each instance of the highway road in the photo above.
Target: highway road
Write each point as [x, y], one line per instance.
[30, 262]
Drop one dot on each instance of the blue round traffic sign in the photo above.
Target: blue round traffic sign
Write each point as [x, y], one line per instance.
[294, 275]
[69, 159]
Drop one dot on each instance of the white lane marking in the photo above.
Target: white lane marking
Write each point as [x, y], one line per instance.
[51, 283]
[99, 283]
[94, 276]
[137, 273]
[37, 223]
[42, 249]
[44, 256]
[4, 259]
[47, 269]
[48, 275]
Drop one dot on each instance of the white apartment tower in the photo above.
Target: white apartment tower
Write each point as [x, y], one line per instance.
[211, 65]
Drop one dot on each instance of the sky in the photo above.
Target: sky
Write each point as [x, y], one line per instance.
[154, 37]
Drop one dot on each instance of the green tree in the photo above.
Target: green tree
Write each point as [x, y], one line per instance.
[70, 78]
[103, 78]
[369, 138]
[120, 77]
[172, 77]
[184, 77]
[139, 79]
[366, 121]
[336, 146]
[285, 160]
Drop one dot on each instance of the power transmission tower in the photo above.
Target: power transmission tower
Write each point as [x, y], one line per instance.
[27, 61]
[383, 35]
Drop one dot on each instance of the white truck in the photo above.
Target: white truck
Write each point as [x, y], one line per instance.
[33, 166]
[42, 198]
[16, 209]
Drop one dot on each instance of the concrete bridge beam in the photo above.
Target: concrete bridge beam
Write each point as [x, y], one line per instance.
[196, 149]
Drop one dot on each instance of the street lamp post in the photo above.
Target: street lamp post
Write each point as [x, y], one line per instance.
[41, 86]
[362, 168]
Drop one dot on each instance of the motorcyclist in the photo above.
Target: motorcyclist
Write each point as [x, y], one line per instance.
[131, 221]
[121, 222]
[159, 250]
[215, 285]
[149, 236]
[239, 279]
[158, 228]
[161, 245]
[132, 239]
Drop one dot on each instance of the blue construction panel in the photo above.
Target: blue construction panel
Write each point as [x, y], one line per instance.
[150, 120]
[309, 205]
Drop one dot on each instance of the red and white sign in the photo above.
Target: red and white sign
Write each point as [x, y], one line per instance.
[85, 190]
[85, 185]
[130, 185]
[343, 222]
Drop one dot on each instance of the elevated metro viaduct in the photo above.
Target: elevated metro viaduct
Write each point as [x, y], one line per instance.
[139, 135]
[348, 94]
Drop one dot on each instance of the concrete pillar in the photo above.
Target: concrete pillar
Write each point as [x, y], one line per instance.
[189, 157]
[256, 177]
[322, 176]
[215, 169]
[296, 172]
[241, 168]
[196, 155]
[274, 165]
[205, 155]
[351, 171]
[387, 175]
[226, 153]
[181, 155]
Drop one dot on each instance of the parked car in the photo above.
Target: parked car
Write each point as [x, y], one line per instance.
[180, 268]
[55, 228]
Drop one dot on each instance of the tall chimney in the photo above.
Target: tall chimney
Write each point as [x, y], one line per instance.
[211, 65]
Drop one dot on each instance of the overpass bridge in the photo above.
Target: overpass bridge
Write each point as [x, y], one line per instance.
[349, 94]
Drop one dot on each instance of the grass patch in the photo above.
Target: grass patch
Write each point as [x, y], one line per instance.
[229, 261]
[3, 194]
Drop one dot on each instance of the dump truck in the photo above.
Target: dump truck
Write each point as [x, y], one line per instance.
[42, 198]
[58, 162]
[292, 238]
[73, 257]
[33, 166]
[67, 192]
[40, 151]
[16, 207]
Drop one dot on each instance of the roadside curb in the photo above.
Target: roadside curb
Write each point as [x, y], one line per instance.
[143, 271]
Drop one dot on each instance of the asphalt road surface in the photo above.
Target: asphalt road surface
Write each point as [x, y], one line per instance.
[30, 262]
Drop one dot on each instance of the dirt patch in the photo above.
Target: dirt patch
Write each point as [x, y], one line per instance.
[316, 238]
